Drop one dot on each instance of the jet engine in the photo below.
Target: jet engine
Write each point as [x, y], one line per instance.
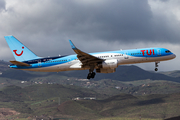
[101, 70]
[108, 66]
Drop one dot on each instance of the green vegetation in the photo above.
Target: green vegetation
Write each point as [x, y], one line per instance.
[126, 106]
[175, 74]
[119, 118]
[40, 100]
[37, 100]
[137, 95]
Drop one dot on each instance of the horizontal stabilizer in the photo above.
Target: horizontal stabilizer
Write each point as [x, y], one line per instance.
[19, 63]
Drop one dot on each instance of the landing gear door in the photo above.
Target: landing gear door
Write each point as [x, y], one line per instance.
[159, 52]
[126, 56]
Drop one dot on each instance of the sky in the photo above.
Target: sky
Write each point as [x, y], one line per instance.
[45, 26]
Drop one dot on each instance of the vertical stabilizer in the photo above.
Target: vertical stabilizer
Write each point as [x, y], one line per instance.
[20, 51]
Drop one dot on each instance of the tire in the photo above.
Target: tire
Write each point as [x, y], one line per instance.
[89, 76]
[93, 74]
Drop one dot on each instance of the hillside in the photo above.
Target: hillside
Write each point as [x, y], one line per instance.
[129, 92]
[43, 92]
[41, 99]
[3, 65]
[172, 73]
[124, 105]
[123, 73]
[38, 100]
[140, 87]
[127, 79]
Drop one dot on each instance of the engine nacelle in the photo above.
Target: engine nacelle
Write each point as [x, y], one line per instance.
[101, 70]
[110, 64]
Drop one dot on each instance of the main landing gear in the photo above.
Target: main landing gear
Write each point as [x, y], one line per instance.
[91, 73]
[156, 65]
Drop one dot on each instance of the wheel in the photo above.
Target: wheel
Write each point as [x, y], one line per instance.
[156, 69]
[89, 76]
[93, 74]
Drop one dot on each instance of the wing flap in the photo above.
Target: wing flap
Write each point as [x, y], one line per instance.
[19, 63]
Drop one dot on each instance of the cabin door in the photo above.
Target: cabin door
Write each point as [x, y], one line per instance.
[159, 52]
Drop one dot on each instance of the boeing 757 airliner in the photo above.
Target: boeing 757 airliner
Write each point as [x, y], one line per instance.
[103, 62]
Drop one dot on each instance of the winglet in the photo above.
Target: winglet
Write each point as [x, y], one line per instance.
[72, 45]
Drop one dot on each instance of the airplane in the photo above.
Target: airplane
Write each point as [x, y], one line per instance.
[103, 62]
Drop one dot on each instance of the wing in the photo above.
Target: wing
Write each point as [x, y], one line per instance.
[19, 63]
[85, 58]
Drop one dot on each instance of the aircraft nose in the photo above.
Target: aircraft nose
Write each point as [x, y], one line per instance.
[173, 56]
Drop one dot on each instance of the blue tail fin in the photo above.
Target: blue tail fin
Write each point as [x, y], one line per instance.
[20, 51]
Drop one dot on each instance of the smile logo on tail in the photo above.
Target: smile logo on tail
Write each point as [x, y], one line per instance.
[15, 51]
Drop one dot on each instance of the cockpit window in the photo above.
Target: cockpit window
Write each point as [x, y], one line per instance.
[167, 51]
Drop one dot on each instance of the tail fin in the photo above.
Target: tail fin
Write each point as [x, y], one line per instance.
[20, 51]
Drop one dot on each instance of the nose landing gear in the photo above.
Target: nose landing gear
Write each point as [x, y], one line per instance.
[156, 65]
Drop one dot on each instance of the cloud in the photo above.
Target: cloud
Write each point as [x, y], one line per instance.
[116, 20]
[45, 25]
[2, 5]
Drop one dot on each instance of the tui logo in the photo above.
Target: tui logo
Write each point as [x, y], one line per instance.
[147, 52]
[15, 51]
